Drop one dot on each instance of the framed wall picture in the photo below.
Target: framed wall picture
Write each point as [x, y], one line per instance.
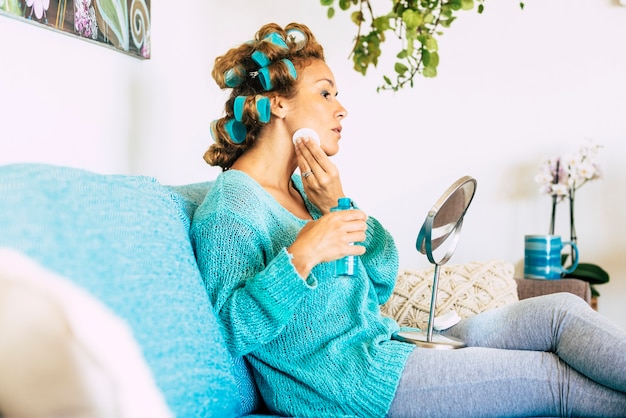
[120, 24]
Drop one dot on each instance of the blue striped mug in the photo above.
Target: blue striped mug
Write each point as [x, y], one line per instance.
[542, 257]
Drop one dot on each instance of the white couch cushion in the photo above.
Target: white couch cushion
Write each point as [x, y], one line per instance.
[56, 354]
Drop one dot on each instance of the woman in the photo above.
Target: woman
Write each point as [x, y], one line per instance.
[266, 241]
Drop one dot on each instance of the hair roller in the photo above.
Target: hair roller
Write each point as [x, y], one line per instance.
[276, 39]
[296, 38]
[214, 130]
[259, 103]
[263, 108]
[238, 107]
[260, 55]
[290, 67]
[265, 76]
[260, 58]
[234, 76]
[237, 131]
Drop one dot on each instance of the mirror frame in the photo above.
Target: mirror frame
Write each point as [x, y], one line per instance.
[424, 243]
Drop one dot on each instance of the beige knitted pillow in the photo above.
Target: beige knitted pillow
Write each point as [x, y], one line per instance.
[467, 288]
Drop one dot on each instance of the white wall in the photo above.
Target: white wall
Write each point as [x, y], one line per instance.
[513, 87]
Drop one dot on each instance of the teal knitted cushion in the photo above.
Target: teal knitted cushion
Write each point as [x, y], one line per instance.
[122, 239]
[191, 196]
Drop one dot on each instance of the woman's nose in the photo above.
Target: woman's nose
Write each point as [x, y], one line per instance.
[342, 112]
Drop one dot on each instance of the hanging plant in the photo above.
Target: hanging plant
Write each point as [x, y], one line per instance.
[417, 24]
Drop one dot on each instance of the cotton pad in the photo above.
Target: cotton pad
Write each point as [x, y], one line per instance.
[306, 133]
[445, 321]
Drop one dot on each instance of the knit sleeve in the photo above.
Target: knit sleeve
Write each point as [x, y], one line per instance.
[380, 259]
[254, 289]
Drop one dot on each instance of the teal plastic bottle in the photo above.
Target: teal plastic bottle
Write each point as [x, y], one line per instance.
[344, 266]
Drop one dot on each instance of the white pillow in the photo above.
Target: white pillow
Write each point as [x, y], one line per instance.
[467, 289]
[64, 353]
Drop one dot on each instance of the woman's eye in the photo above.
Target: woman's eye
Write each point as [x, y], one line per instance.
[325, 94]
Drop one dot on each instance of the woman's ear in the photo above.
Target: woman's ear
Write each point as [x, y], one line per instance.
[279, 106]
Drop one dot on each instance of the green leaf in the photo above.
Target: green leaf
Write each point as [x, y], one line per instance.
[331, 12]
[430, 72]
[400, 68]
[429, 18]
[481, 8]
[591, 273]
[426, 58]
[327, 2]
[411, 35]
[521, 5]
[357, 17]
[431, 44]
[467, 4]
[446, 23]
[382, 23]
[434, 59]
[360, 67]
[412, 19]
[344, 4]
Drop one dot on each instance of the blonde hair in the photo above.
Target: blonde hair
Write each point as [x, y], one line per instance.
[257, 69]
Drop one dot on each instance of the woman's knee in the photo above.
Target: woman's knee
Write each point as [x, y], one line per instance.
[565, 300]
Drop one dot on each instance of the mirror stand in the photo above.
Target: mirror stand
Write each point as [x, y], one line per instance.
[442, 225]
[428, 339]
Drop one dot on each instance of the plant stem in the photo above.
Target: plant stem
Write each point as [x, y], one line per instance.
[554, 202]
[572, 227]
[553, 217]
[358, 35]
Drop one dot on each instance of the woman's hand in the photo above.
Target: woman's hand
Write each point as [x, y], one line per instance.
[323, 185]
[328, 238]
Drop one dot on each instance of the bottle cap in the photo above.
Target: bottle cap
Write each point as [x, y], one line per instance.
[344, 203]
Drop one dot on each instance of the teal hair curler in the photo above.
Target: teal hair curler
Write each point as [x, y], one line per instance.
[263, 108]
[236, 130]
[238, 107]
[264, 74]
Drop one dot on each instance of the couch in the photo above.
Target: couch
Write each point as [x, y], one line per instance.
[98, 280]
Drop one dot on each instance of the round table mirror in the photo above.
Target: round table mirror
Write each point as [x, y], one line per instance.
[438, 239]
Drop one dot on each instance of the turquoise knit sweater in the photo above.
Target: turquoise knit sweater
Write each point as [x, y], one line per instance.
[318, 347]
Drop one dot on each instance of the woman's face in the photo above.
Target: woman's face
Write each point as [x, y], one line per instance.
[315, 105]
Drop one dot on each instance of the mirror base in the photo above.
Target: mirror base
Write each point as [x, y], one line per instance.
[438, 341]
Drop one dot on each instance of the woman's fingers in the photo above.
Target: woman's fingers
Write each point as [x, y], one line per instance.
[321, 177]
[329, 238]
[313, 158]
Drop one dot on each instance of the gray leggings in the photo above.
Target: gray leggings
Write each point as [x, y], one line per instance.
[546, 356]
